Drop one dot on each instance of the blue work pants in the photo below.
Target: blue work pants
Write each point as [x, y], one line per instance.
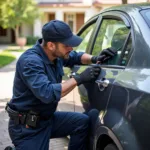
[61, 125]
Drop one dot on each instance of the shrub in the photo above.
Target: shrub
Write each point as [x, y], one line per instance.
[31, 40]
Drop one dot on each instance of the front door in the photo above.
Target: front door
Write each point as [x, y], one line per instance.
[111, 33]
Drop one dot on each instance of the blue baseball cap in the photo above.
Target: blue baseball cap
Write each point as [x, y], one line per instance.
[59, 31]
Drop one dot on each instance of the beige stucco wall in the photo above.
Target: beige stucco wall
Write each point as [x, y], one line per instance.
[27, 30]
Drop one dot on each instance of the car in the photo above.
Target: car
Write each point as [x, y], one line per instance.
[121, 93]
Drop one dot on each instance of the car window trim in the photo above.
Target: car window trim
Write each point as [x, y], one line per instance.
[88, 23]
[95, 32]
[113, 66]
[124, 49]
[117, 15]
[142, 12]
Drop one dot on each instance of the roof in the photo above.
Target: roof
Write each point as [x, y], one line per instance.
[127, 7]
[64, 3]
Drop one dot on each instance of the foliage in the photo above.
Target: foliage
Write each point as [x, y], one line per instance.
[106, 38]
[14, 13]
[32, 40]
[6, 58]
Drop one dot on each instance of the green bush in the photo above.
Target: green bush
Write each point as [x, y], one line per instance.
[31, 40]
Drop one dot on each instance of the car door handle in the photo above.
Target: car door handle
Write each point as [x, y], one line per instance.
[72, 74]
[102, 83]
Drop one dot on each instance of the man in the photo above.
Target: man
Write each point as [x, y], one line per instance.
[38, 89]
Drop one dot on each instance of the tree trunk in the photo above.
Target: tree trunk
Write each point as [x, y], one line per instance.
[16, 33]
[124, 1]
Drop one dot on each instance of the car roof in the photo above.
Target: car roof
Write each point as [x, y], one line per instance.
[128, 7]
[124, 8]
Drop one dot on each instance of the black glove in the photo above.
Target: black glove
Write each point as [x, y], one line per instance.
[88, 75]
[105, 55]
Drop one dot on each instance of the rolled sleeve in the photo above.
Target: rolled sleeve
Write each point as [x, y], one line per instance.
[36, 79]
[57, 91]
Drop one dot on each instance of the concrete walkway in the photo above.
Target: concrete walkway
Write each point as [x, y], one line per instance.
[2, 47]
[6, 84]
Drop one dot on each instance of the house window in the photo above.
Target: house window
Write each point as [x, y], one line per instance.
[3, 32]
[70, 19]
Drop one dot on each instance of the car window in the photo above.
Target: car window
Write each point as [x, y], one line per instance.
[112, 33]
[146, 15]
[85, 35]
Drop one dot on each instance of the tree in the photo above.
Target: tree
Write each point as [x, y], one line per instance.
[13, 13]
[124, 1]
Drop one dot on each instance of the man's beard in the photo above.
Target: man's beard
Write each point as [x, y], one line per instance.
[57, 54]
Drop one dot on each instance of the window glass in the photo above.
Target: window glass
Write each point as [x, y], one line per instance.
[85, 35]
[146, 15]
[112, 34]
[70, 18]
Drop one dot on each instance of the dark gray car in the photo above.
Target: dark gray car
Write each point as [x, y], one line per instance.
[122, 91]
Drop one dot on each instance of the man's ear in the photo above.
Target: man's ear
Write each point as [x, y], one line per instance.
[51, 46]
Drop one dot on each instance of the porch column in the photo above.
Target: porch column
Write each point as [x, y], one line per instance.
[89, 13]
[37, 28]
[59, 15]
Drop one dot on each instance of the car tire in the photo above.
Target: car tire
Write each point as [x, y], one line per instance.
[110, 147]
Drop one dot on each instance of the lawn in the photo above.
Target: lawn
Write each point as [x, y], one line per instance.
[6, 58]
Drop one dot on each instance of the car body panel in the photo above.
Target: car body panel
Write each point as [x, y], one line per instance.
[124, 106]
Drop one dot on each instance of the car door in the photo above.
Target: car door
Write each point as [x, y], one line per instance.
[86, 32]
[113, 31]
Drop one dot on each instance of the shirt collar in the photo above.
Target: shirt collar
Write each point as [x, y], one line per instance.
[41, 52]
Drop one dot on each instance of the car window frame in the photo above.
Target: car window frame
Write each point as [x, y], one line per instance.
[95, 20]
[117, 15]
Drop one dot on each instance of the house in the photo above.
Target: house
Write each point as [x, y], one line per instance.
[73, 12]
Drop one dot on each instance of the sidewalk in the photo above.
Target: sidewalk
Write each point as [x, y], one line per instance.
[6, 83]
[2, 47]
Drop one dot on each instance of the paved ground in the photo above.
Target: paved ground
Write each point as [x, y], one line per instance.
[2, 47]
[6, 83]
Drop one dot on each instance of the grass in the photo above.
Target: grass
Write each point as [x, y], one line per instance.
[6, 58]
[14, 50]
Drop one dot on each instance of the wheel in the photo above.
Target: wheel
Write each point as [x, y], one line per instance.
[110, 147]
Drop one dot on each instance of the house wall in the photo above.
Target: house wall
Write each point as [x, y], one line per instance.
[26, 30]
[83, 11]
[6, 39]
[60, 15]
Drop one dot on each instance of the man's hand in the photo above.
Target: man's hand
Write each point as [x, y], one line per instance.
[88, 75]
[105, 55]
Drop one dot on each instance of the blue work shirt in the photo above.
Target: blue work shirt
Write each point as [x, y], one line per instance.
[37, 82]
